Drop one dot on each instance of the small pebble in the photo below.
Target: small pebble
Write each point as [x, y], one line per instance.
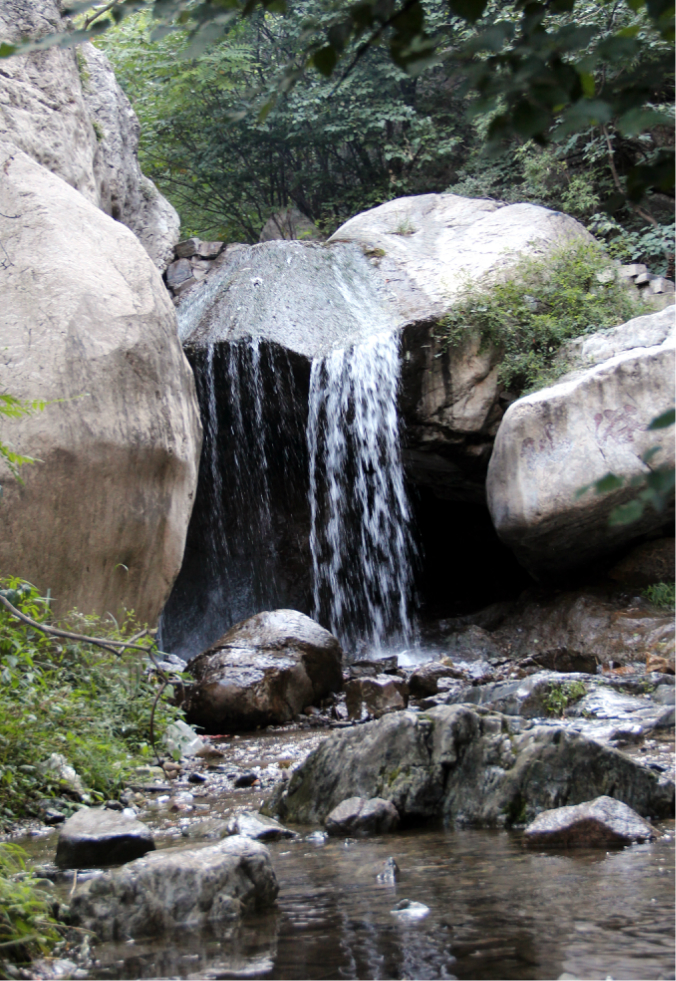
[246, 780]
[196, 777]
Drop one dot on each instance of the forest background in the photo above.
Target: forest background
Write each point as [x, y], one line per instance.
[234, 130]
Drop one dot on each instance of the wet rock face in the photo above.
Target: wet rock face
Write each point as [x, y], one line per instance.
[577, 630]
[87, 324]
[555, 442]
[263, 671]
[600, 823]
[95, 836]
[359, 817]
[169, 889]
[467, 766]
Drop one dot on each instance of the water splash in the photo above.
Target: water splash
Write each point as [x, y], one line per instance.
[360, 538]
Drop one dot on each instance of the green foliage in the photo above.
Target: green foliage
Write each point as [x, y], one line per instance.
[59, 696]
[231, 137]
[228, 158]
[562, 694]
[27, 927]
[661, 594]
[545, 302]
[14, 408]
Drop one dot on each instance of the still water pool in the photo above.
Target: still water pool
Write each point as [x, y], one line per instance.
[496, 910]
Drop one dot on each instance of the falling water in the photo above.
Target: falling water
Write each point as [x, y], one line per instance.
[249, 473]
[360, 539]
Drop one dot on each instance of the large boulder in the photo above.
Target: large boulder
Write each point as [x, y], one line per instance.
[168, 889]
[555, 442]
[398, 266]
[64, 108]
[425, 249]
[87, 325]
[467, 766]
[263, 671]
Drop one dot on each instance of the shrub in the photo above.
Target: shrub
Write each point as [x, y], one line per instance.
[70, 698]
[662, 594]
[560, 696]
[544, 302]
[27, 927]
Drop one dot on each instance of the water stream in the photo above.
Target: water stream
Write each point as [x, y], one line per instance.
[360, 536]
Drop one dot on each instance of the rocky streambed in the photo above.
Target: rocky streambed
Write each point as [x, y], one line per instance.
[468, 748]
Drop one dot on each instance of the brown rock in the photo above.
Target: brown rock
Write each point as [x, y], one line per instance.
[646, 563]
[664, 665]
[374, 697]
[425, 680]
[263, 671]
[598, 823]
[87, 325]
[187, 248]
[178, 272]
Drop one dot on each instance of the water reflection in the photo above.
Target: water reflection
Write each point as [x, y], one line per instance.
[496, 911]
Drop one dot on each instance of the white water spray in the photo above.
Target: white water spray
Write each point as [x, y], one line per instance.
[360, 540]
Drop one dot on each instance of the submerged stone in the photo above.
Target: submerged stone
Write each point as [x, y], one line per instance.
[256, 826]
[596, 823]
[358, 816]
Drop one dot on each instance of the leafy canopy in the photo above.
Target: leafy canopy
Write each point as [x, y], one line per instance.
[544, 69]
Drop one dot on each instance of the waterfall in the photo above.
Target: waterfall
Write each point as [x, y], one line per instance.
[360, 538]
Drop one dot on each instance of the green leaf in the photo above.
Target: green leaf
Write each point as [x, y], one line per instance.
[608, 483]
[626, 514]
[325, 60]
[663, 421]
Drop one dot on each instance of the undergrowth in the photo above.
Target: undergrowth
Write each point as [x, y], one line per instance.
[83, 703]
[545, 302]
[662, 594]
[27, 924]
[560, 696]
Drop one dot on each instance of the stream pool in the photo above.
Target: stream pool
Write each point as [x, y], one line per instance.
[496, 910]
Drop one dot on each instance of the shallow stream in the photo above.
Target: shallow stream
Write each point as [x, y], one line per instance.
[495, 908]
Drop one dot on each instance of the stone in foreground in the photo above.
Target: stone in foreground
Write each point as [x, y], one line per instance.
[263, 671]
[170, 889]
[599, 823]
[250, 824]
[96, 836]
[360, 817]
[467, 766]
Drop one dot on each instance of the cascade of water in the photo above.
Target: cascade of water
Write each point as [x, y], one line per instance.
[360, 539]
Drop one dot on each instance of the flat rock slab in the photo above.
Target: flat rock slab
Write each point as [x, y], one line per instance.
[358, 816]
[251, 824]
[599, 823]
[96, 836]
[170, 889]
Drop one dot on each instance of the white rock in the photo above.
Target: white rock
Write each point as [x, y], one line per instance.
[556, 441]
[64, 108]
[87, 323]
[434, 243]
